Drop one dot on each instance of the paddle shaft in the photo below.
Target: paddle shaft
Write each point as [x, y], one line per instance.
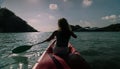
[35, 44]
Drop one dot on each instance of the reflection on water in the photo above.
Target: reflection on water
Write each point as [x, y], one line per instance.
[21, 62]
[9, 41]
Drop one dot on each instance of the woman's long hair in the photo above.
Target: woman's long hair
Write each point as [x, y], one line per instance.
[63, 25]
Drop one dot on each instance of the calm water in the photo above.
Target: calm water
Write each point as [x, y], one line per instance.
[100, 49]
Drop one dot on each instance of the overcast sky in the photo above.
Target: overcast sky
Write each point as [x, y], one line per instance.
[43, 14]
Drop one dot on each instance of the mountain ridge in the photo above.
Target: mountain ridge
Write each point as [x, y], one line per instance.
[9, 22]
[109, 28]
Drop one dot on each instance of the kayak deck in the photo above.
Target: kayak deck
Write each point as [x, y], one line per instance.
[46, 62]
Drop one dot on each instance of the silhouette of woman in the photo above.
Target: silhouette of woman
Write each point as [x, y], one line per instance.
[62, 35]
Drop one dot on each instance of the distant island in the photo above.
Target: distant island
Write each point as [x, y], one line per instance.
[110, 28]
[9, 22]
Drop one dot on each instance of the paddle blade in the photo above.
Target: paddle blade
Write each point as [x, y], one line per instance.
[21, 49]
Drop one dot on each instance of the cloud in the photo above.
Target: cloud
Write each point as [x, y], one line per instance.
[85, 23]
[53, 6]
[87, 3]
[51, 17]
[33, 20]
[111, 17]
[41, 18]
[46, 16]
[43, 22]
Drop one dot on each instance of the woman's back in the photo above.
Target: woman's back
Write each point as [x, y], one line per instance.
[62, 38]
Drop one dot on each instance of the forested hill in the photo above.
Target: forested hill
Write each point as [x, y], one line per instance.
[9, 22]
[110, 28]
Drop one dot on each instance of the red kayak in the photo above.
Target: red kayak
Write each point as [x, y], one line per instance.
[48, 60]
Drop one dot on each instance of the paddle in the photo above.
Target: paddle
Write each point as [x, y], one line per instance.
[23, 48]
